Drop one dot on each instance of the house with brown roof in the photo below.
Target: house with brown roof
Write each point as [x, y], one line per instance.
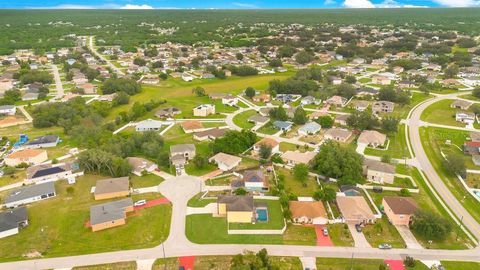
[355, 210]
[304, 212]
[399, 210]
[140, 165]
[237, 209]
[337, 101]
[341, 119]
[209, 134]
[192, 126]
[293, 158]
[112, 188]
[338, 134]
[225, 162]
[273, 144]
[28, 156]
[371, 138]
[378, 172]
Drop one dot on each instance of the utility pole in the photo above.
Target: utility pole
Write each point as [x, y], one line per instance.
[351, 263]
[164, 259]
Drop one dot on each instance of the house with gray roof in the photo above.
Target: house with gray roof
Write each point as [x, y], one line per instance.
[43, 142]
[109, 215]
[283, 125]
[258, 119]
[180, 154]
[29, 194]
[378, 172]
[148, 125]
[309, 129]
[8, 110]
[12, 221]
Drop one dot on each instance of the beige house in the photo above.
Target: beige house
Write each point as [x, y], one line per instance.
[204, 110]
[273, 144]
[308, 212]
[180, 154]
[225, 162]
[382, 80]
[355, 209]
[371, 138]
[337, 101]
[338, 134]
[192, 126]
[378, 172]
[112, 188]
[383, 107]
[293, 158]
[139, 165]
[28, 156]
[461, 104]
[237, 209]
[399, 210]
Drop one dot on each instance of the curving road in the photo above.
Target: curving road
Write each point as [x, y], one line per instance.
[431, 175]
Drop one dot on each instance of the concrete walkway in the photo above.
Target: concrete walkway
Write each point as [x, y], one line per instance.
[309, 263]
[210, 208]
[145, 264]
[358, 237]
[408, 237]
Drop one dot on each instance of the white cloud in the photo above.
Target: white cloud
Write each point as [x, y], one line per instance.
[130, 6]
[329, 2]
[358, 4]
[244, 5]
[458, 3]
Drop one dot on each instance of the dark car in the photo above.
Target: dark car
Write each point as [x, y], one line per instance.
[358, 227]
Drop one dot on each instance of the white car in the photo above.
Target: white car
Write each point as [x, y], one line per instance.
[140, 203]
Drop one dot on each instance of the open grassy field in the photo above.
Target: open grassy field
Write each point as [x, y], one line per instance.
[461, 265]
[397, 147]
[347, 264]
[241, 119]
[112, 266]
[340, 235]
[294, 186]
[441, 113]
[57, 226]
[148, 180]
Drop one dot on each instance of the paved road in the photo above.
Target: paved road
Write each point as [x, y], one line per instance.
[430, 173]
[112, 66]
[58, 82]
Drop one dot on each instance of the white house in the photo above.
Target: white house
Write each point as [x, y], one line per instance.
[465, 117]
[225, 162]
[29, 194]
[309, 129]
[8, 110]
[12, 221]
[148, 125]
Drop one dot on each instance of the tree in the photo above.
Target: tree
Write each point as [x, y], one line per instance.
[409, 262]
[121, 98]
[430, 226]
[325, 121]
[327, 194]
[350, 79]
[405, 192]
[304, 57]
[299, 116]
[342, 163]
[278, 113]
[200, 161]
[240, 192]
[199, 91]
[139, 61]
[476, 92]
[239, 56]
[362, 120]
[234, 142]
[451, 71]
[126, 85]
[300, 172]
[390, 124]
[455, 164]
[346, 90]
[250, 92]
[277, 62]
[265, 151]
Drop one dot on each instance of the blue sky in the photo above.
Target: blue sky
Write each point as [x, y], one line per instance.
[238, 4]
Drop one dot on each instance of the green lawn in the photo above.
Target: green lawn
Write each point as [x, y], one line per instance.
[451, 265]
[348, 264]
[196, 201]
[430, 140]
[205, 229]
[57, 227]
[268, 129]
[275, 218]
[402, 111]
[441, 113]
[111, 266]
[340, 235]
[295, 186]
[383, 232]
[241, 119]
[148, 180]
[224, 262]
[397, 147]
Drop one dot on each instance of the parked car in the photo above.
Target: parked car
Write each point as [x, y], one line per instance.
[325, 231]
[384, 246]
[358, 227]
[140, 203]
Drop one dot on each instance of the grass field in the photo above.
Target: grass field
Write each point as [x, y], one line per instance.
[148, 180]
[241, 119]
[383, 232]
[461, 265]
[112, 266]
[402, 111]
[57, 226]
[275, 218]
[441, 113]
[340, 235]
[397, 147]
[348, 264]
[295, 186]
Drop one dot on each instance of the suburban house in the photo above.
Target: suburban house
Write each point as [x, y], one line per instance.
[258, 119]
[140, 165]
[192, 126]
[304, 212]
[293, 158]
[338, 134]
[378, 172]
[28, 156]
[360, 105]
[262, 98]
[309, 128]
[310, 100]
[273, 144]
[382, 80]
[461, 104]
[209, 134]
[283, 125]
[148, 125]
[341, 119]
[399, 210]
[237, 209]
[471, 147]
[383, 107]
[109, 215]
[204, 110]
[355, 210]
[42, 142]
[88, 88]
[475, 136]
[252, 180]
[50, 172]
[8, 110]
[337, 101]
[465, 117]
[29, 194]
[225, 162]
[12, 221]
[371, 138]
[230, 100]
[112, 188]
[169, 112]
[180, 154]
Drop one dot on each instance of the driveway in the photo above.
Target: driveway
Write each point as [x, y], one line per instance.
[358, 237]
[322, 240]
[309, 263]
[408, 237]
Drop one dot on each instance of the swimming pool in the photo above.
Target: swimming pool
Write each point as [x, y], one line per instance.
[262, 215]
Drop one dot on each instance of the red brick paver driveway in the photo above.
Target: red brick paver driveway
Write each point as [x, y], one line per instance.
[152, 203]
[395, 264]
[187, 262]
[322, 240]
